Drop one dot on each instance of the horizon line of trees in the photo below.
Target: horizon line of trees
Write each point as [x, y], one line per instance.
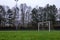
[40, 14]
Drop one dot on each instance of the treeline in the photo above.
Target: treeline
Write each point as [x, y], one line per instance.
[40, 14]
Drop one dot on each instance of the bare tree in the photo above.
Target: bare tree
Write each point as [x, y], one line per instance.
[2, 15]
[22, 14]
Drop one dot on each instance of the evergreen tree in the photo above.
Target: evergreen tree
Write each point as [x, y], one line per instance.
[34, 17]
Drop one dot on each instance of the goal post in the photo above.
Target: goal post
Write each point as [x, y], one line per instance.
[42, 23]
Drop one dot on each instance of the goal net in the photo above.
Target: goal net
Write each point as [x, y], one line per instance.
[44, 25]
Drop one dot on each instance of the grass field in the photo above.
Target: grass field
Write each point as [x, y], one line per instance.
[29, 35]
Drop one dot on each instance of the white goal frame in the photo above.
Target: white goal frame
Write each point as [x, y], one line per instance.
[42, 23]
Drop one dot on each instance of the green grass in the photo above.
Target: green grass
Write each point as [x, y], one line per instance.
[29, 35]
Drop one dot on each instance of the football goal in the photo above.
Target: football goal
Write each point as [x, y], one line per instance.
[42, 24]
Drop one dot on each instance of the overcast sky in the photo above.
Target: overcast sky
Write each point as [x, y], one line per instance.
[31, 3]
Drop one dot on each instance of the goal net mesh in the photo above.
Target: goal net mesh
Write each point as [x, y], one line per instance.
[44, 25]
